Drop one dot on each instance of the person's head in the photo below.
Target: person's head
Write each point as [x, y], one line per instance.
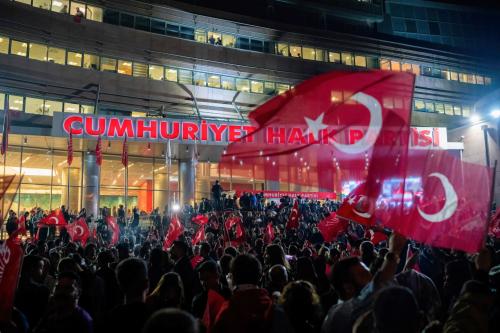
[457, 272]
[68, 265]
[245, 269]
[123, 251]
[367, 251]
[171, 320]
[231, 250]
[179, 249]
[209, 274]
[104, 258]
[132, 277]
[90, 251]
[349, 276]
[299, 300]
[32, 268]
[278, 277]
[395, 310]
[205, 249]
[225, 264]
[216, 182]
[274, 255]
[170, 290]
[66, 291]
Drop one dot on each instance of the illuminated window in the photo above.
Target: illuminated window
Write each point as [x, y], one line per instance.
[171, 74]
[295, 51]
[281, 88]
[257, 87]
[466, 110]
[28, 2]
[448, 109]
[57, 55]
[74, 59]
[77, 9]
[228, 83]
[282, 49]
[140, 69]
[200, 79]
[228, 40]
[395, 66]
[108, 65]
[53, 106]
[60, 6]
[87, 109]
[185, 77]
[94, 13]
[200, 36]
[214, 38]
[347, 59]
[4, 45]
[429, 106]
[334, 57]
[405, 67]
[155, 72]
[71, 108]
[419, 105]
[479, 79]
[43, 4]
[320, 55]
[91, 61]
[38, 52]
[471, 78]
[457, 110]
[18, 48]
[242, 85]
[439, 107]
[269, 87]
[360, 61]
[385, 64]
[16, 102]
[35, 106]
[462, 77]
[124, 67]
[2, 101]
[309, 53]
[214, 81]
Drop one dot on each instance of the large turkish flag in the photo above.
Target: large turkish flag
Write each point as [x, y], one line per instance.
[78, 231]
[450, 206]
[11, 256]
[328, 131]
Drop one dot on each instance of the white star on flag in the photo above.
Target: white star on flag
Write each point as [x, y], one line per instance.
[351, 200]
[315, 126]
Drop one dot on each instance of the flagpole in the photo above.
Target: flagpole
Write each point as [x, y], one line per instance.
[490, 202]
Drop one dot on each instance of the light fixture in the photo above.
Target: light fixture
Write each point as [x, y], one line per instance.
[475, 118]
[176, 207]
[495, 113]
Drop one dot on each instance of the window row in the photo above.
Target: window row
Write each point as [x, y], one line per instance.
[41, 106]
[61, 56]
[241, 42]
[444, 108]
[76, 8]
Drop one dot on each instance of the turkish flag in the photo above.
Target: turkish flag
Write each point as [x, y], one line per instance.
[331, 226]
[293, 219]
[449, 207]
[269, 234]
[125, 152]
[358, 206]
[494, 229]
[55, 218]
[375, 237]
[328, 131]
[78, 231]
[98, 152]
[11, 256]
[215, 301]
[69, 158]
[235, 221]
[115, 229]
[199, 236]
[175, 229]
[200, 219]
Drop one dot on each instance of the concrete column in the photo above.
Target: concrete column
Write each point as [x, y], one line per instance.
[70, 198]
[91, 178]
[187, 173]
[161, 184]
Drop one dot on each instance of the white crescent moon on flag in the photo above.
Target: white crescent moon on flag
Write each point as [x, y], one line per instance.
[79, 230]
[374, 127]
[55, 219]
[450, 204]
[364, 215]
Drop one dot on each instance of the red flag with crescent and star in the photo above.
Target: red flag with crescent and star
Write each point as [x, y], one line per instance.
[358, 207]
[114, 228]
[11, 257]
[200, 219]
[175, 229]
[269, 233]
[328, 131]
[78, 231]
[331, 226]
[199, 236]
[55, 218]
[450, 206]
[293, 219]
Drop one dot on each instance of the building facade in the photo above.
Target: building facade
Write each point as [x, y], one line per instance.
[180, 62]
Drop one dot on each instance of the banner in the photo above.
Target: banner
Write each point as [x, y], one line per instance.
[293, 194]
[11, 255]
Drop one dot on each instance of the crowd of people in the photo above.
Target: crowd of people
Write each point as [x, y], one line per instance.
[294, 282]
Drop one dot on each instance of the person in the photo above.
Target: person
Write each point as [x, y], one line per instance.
[302, 306]
[216, 195]
[135, 218]
[132, 277]
[171, 320]
[277, 280]
[184, 268]
[395, 310]
[169, 293]
[250, 309]
[64, 314]
[121, 218]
